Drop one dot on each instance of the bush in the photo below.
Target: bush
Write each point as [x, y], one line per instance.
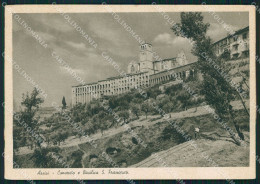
[77, 157]
[153, 92]
[43, 159]
[134, 141]
[171, 133]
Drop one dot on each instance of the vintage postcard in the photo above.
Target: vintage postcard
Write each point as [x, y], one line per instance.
[129, 92]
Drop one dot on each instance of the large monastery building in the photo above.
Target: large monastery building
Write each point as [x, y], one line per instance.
[143, 73]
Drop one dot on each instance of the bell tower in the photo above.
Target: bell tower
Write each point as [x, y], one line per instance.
[146, 57]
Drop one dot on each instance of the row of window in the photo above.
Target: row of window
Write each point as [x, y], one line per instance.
[115, 87]
[234, 48]
[168, 77]
[105, 86]
[86, 89]
[230, 40]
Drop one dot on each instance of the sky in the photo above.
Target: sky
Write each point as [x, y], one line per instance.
[86, 60]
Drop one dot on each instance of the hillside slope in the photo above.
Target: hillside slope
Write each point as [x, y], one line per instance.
[208, 153]
[124, 149]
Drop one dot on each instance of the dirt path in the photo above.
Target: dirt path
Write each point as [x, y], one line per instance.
[192, 112]
[83, 157]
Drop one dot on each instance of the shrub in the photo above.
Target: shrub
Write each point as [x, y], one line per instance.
[77, 157]
[171, 133]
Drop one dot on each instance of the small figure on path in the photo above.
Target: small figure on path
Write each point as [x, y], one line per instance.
[195, 109]
[196, 133]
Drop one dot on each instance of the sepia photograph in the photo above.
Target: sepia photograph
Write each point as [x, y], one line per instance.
[128, 90]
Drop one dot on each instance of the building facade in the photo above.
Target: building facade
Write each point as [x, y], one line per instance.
[146, 62]
[141, 74]
[237, 44]
[108, 87]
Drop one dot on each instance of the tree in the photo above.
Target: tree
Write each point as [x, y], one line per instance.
[30, 107]
[137, 100]
[64, 105]
[102, 126]
[146, 108]
[110, 118]
[124, 115]
[77, 159]
[43, 158]
[40, 157]
[17, 136]
[48, 139]
[136, 109]
[167, 107]
[63, 136]
[153, 92]
[159, 103]
[185, 99]
[225, 55]
[217, 91]
[31, 103]
[170, 133]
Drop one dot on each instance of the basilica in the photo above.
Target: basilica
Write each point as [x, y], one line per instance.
[142, 73]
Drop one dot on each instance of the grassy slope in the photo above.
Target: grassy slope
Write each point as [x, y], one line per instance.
[130, 153]
[207, 154]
